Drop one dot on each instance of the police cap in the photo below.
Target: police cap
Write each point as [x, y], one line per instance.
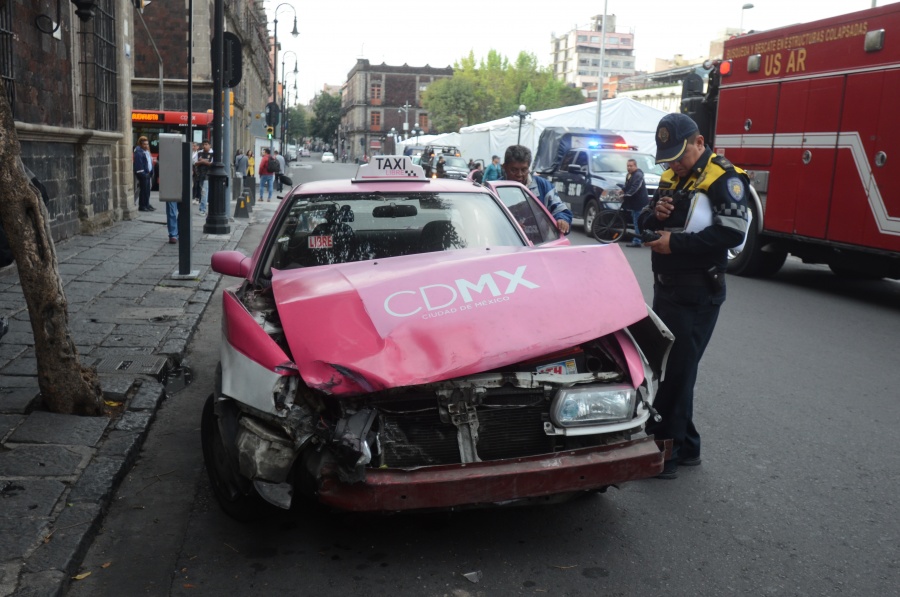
[672, 134]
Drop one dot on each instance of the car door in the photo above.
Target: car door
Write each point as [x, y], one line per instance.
[529, 212]
[569, 180]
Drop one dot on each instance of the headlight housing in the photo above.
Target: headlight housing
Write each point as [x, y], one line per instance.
[592, 405]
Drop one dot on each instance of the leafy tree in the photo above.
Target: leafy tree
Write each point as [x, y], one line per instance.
[326, 116]
[493, 88]
[298, 124]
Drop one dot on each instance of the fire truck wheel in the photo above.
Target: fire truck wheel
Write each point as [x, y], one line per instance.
[756, 259]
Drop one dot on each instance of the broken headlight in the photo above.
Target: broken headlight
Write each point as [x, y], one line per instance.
[590, 405]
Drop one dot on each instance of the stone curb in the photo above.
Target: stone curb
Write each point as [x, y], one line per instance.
[48, 570]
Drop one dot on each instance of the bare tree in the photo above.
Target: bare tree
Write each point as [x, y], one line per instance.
[66, 386]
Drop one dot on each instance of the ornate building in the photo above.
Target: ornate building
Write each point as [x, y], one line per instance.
[379, 98]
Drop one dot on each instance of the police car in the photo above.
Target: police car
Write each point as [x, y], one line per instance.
[588, 179]
[396, 343]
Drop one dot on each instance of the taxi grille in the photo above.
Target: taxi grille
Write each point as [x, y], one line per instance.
[510, 425]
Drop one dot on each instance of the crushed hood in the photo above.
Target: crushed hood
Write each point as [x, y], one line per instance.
[371, 325]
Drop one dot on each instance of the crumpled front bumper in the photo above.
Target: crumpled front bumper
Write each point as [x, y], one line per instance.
[485, 483]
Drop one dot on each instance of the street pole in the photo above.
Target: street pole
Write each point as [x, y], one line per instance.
[405, 108]
[602, 54]
[216, 220]
[294, 33]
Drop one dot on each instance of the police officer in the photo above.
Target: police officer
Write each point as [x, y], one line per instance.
[699, 211]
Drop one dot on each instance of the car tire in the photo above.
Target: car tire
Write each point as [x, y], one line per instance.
[752, 260]
[591, 209]
[234, 492]
[608, 226]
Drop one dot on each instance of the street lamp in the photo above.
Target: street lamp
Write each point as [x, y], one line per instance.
[294, 33]
[416, 130]
[393, 134]
[284, 93]
[405, 108]
[521, 114]
[747, 6]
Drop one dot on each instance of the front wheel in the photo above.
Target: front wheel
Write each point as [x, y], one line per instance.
[608, 226]
[234, 492]
[591, 209]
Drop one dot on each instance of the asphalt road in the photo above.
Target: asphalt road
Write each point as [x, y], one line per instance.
[797, 495]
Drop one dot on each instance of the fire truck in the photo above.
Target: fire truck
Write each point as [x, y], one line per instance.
[811, 111]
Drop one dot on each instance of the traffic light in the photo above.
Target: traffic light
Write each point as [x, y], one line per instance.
[270, 132]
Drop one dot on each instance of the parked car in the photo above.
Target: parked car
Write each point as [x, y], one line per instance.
[304, 153]
[292, 153]
[327, 157]
[389, 347]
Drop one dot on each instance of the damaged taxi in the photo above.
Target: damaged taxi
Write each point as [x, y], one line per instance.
[403, 343]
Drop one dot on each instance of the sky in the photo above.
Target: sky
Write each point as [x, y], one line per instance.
[335, 33]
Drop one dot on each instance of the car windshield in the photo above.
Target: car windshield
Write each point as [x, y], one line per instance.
[341, 228]
[456, 163]
[617, 161]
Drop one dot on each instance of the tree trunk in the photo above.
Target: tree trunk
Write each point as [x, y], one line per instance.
[66, 386]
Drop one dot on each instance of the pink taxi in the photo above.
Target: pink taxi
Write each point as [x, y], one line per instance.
[399, 343]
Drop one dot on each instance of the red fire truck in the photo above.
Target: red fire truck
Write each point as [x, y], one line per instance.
[811, 111]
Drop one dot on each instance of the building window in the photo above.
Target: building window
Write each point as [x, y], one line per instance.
[6, 55]
[595, 62]
[595, 39]
[423, 121]
[98, 53]
[582, 38]
[612, 40]
[375, 119]
[375, 92]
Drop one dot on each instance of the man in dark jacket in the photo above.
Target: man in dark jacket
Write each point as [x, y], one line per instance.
[143, 173]
[635, 197]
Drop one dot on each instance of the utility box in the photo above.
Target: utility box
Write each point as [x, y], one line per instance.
[171, 166]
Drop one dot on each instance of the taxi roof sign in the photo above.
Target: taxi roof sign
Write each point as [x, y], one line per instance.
[390, 167]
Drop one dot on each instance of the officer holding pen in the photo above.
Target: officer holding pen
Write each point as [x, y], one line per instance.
[699, 212]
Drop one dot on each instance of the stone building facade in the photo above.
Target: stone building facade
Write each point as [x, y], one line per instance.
[68, 83]
[168, 30]
[378, 98]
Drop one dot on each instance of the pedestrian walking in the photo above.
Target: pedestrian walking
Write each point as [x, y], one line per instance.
[493, 171]
[478, 173]
[143, 173]
[241, 165]
[700, 211]
[268, 165]
[282, 169]
[635, 197]
[251, 173]
[204, 161]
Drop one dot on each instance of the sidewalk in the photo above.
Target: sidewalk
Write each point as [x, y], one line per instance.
[58, 472]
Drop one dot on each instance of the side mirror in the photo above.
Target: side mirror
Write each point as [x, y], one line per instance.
[230, 263]
[576, 169]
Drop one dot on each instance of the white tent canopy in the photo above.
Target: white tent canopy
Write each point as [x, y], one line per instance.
[636, 122]
[445, 139]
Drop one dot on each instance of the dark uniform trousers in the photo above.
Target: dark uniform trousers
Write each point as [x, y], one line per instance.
[690, 312]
